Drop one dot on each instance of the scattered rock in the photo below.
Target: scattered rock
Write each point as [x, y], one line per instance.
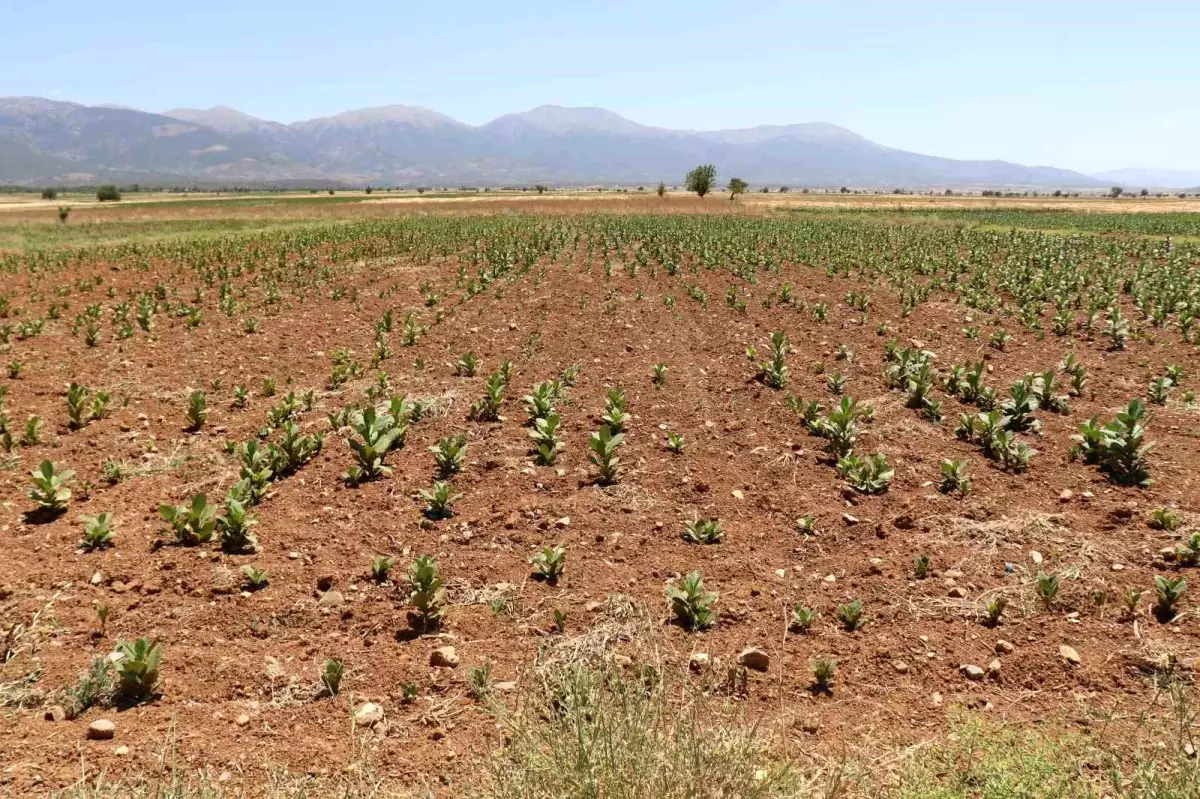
[505, 686]
[1036, 557]
[563, 522]
[936, 699]
[242, 720]
[331, 599]
[622, 660]
[900, 666]
[875, 565]
[593, 607]
[101, 730]
[972, 672]
[811, 725]
[958, 592]
[698, 661]
[1065, 495]
[368, 715]
[848, 519]
[754, 658]
[56, 713]
[993, 668]
[903, 522]
[324, 583]
[1069, 654]
[121, 751]
[1004, 647]
[444, 657]
[737, 494]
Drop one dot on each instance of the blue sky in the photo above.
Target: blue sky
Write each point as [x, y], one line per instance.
[1084, 85]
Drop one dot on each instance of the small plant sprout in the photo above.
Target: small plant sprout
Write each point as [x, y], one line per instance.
[1046, 587]
[479, 681]
[851, 615]
[487, 407]
[450, 453]
[615, 414]
[546, 443]
[1165, 519]
[197, 411]
[439, 500]
[241, 396]
[192, 524]
[921, 566]
[381, 565]
[676, 443]
[603, 445]
[774, 372]
[703, 531]
[97, 531]
[50, 490]
[802, 619]
[102, 617]
[331, 677]
[425, 590]
[823, 670]
[32, 434]
[548, 564]
[137, 665]
[836, 383]
[955, 479]
[256, 578]
[1131, 598]
[467, 364]
[1169, 591]
[560, 621]
[660, 375]
[77, 412]
[234, 527]
[994, 609]
[806, 525]
[1188, 553]
[691, 603]
[377, 434]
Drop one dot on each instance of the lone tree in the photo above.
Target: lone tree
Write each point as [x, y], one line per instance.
[49, 194]
[108, 194]
[701, 179]
[736, 186]
[662, 189]
[1116, 191]
[540, 188]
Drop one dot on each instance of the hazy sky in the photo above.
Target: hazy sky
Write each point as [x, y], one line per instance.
[1084, 85]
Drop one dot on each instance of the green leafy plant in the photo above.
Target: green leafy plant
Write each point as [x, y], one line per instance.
[439, 500]
[539, 402]
[676, 443]
[548, 564]
[256, 578]
[32, 434]
[479, 681]
[426, 592]
[603, 444]
[823, 670]
[806, 525]
[331, 677]
[546, 443]
[1165, 519]
[450, 453]
[487, 407]
[994, 609]
[1046, 587]
[234, 527]
[774, 372]
[703, 531]
[192, 524]
[871, 475]
[97, 531]
[850, 615]
[1169, 591]
[197, 410]
[381, 566]
[467, 364]
[921, 566]
[615, 415]
[660, 375]
[955, 478]
[691, 603]
[377, 434]
[77, 409]
[50, 490]
[137, 666]
[802, 618]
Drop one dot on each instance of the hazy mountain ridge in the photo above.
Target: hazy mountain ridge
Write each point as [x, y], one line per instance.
[46, 141]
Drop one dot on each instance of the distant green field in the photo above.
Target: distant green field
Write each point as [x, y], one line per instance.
[1146, 224]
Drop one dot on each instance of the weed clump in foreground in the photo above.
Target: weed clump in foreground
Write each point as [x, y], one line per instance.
[586, 733]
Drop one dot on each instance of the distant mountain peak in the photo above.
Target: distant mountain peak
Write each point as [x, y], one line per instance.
[414, 115]
[568, 119]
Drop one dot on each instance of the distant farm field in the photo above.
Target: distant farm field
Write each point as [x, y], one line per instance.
[533, 496]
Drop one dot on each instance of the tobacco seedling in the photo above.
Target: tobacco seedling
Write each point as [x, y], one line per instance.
[197, 411]
[1169, 591]
[660, 375]
[439, 499]
[467, 364]
[995, 609]
[676, 443]
[548, 564]
[703, 531]
[774, 372]
[425, 589]
[603, 445]
[546, 444]
[479, 681]
[1046, 587]
[802, 619]
[256, 578]
[851, 615]
[331, 677]
[615, 415]
[691, 604]
[234, 526]
[137, 667]
[806, 525]
[487, 407]
[450, 453]
[921, 566]
[192, 524]
[97, 531]
[377, 434]
[50, 490]
[381, 565]
[954, 477]
[823, 670]
[1165, 519]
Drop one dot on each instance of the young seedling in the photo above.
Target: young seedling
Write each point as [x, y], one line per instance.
[197, 411]
[921, 566]
[560, 621]
[487, 407]
[77, 413]
[954, 477]
[50, 490]
[676, 443]
[615, 414]
[660, 375]
[823, 670]
[851, 615]
[425, 590]
[1169, 591]
[241, 396]
[603, 445]
[703, 531]
[691, 604]
[97, 531]
[806, 525]
[1165, 519]
[137, 667]
[539, 402]
[1046, 586]
[994, 610]
[467, 364]
[479, 681]
[1131, 598]
[102, 617]
[548, 564]
[546, 443]
[802, 619]
[234, 527]
[381, 565]
[331, 677]
[774, 372]
[377, 434]
[439, 499]
[192, 524]
[256, 578]
[450, 454]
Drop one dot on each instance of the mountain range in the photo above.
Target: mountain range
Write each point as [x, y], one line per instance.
[50, 142]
